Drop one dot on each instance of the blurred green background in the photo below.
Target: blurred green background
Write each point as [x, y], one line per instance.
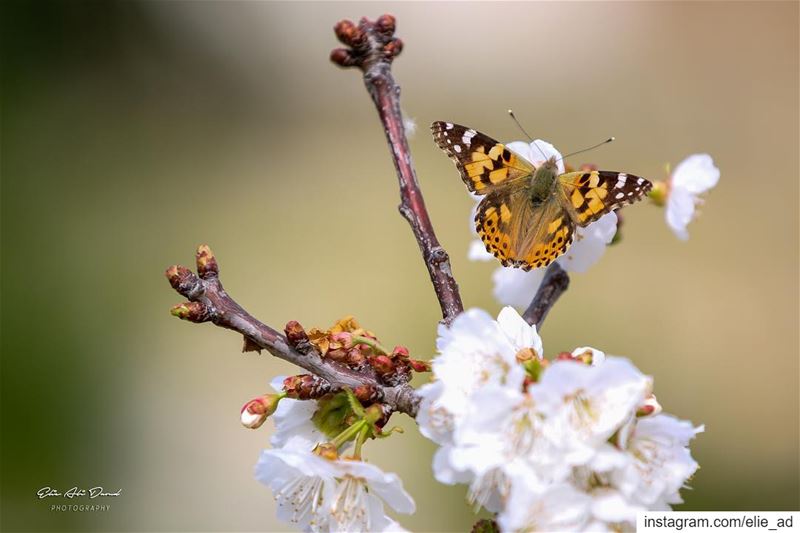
[132, 132]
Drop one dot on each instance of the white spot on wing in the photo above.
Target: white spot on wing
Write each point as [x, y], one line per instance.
[621, 180]
[620, 195]
[457, 148]
[468, 135]
[448, 126]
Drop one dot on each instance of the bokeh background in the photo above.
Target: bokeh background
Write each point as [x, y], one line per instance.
[133, 131]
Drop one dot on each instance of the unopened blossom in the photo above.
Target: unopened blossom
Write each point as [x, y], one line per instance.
[516, 287]
[692, 177]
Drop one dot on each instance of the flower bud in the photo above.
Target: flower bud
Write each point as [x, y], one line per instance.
[256, 411]
[658, 194]
[336, 355]
[306, 387]
[526, 354]
[182, 280]
[385, 24]
[382, 364]
[588, 355]
[564, 356]
[419, 366]
[206, 262]
[393, 48]
[191, 311]
[349, 34]
[342, 340]
[355, 357]
[342, 57]
[399, 351]
[366, 393]
[650, 407]
[297, 337]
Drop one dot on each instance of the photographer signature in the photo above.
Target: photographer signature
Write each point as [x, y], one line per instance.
[76, 492]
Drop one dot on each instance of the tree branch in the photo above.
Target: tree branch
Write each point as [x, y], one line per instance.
[372, 47]
[208, 302]
[554, 284]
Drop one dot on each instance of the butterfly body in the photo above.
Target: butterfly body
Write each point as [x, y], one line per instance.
[543, 182]
[529, 213]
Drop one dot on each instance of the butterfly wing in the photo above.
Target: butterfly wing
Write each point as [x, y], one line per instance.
[484, 163]
[520, 234]
[588, 195]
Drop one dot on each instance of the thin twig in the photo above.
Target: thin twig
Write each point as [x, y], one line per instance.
[555, 282]
[208, 302]
[372, 48]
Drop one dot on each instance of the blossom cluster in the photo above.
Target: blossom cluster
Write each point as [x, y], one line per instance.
[681, 193]
[575, 443]
[316, 486]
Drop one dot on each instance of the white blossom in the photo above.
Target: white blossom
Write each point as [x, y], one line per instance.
[692, 177]
[475, 352]
[357, 502]
[320, 494]
[302, 482]
[660, 460]
[570, 451]
[584, 406]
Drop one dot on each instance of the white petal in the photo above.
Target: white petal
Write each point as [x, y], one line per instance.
[477, 251]
[536, 152]
[293, 420]
[560, 508]
[387, 485]
[597, 356]
[590, 244]
[521, 334]
[696, 174]
[611, 506]
[514, 286]
[277, 383]
[679, 212]
[523, 150]
[444, 470]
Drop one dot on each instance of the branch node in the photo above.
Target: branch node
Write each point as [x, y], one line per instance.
[184, 281]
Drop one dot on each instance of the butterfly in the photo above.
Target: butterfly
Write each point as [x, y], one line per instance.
[529, 213]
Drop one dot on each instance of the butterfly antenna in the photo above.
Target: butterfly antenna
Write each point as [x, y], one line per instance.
[514, 117]
[610, 139]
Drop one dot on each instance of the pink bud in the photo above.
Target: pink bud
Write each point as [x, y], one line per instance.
[382, 364]
[420, 366]
[650, 407]
[344, 339]
[400, 351]
[256, 411]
